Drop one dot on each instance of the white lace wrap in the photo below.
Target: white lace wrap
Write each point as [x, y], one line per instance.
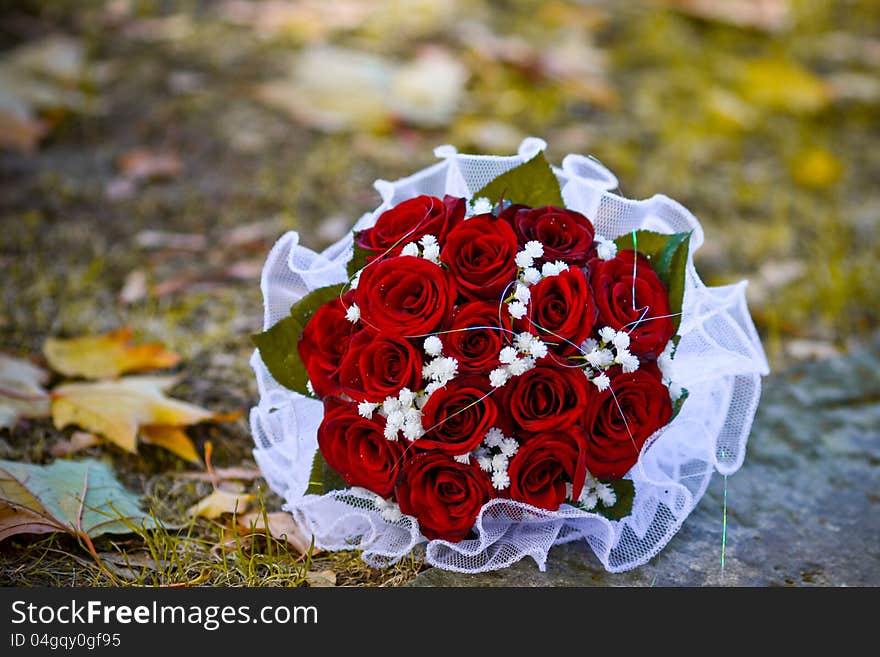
[719, 360]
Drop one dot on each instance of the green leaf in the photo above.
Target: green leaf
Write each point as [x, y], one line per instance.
[358, 260]
[532, 183]
[668, 257]
[625, 492]
[332, 479]
[278, 345]
[678, 403]
[323, 478]
[76, 497]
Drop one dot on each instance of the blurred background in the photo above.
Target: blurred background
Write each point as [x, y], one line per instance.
[152, 151]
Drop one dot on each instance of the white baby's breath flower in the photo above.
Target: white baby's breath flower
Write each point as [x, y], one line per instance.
[353, 313]
[412, 432]
[481, 205]
[588, 345]
[412, 415]
[606, 495]
[675, 391]
[500, 479]
[395, 419]
[493, 437]
[605, 248]
[517, 309]
[411, 249]
[499, 376]
[538, 348]
[629, 362]
[406, 397]
[432, 253]
[499, 462]
[391, 432]
[507, 355]
[553, 268]
[433, 345]
[523, 260]
[531, 275]
[621, 340]
[607, 334]
[463, 458]
[427, 240]
[600, 358]
[588, 499]
[365, 409]
[485, 463]
[524, 341]
[522, 293]
[521, 365]
[602, 382]
[310, 388]
[390, 405]
[534, 248]
[431, 388]
[509, 447]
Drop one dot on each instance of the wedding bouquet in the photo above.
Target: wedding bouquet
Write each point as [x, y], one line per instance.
[502, 357]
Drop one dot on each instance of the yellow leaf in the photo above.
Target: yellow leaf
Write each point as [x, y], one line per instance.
[220, 502]
[21, 390]
[174, 439]
[106, 356]
[816, 168]
[282, 526]
[782, 85]
[116, 409]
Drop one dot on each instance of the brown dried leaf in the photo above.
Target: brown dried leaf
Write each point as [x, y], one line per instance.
[281, 526]
[79, 440]
[144, 164]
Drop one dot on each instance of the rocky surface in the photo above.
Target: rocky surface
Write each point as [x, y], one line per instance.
[803, 510]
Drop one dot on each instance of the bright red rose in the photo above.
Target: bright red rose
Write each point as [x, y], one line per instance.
[408, 221]
[622, 418]
[324, 343]
[548, 397]
[566, 235]
[444, 495]
[562, 310]
[378, 365]
[357, 449]
[457, 417]
[543, 466]
[479, 252]
[645, 317]
[405, 296]
[476, 335]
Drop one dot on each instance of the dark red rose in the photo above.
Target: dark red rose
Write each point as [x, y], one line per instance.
[324, 343]
[406, 296]
[614, 443]
[645, 318]
[476, 335]
[408, 221]
[562, 310]
[378, 365]
[357, 449]
[479, 252]
[457, 417]
[566, 235]
[444, 495]
[544, 464]
[548, 397]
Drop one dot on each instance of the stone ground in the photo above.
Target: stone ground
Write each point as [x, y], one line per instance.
[181, 139]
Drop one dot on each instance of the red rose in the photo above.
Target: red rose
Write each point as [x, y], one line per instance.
[479, 252]
[378, 365]
[541, 468]
[645, 318]
[548, 397]
[562, 310]
[444, 495]
[357, 449]
[408, 221]
[324, 343]
[614, 443]
[457, 417]
[566, 235]
[476, 335]
[406, 296]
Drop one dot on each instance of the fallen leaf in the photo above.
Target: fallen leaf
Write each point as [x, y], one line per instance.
[219, 502]
[816, 168]
[145, 164]
[79, 440]
[117, 409]
[21, 391]
[77, 497]
[174, 439]
[281, 526]
[766, 15]
[223, 474]
[106, 356]
[783, 85]
[321, 579]
[135, 287]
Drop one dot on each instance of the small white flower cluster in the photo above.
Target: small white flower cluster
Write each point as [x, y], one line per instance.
[401, 413]
[600, 356]
[494, 454]
[353, 313]
[430, 249]
[441, 369]
[593, 492]
[519, 359]
[605, 248]
[667, 368]
[477, 206]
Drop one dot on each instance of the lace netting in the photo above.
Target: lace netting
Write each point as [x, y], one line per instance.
[719, 360]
